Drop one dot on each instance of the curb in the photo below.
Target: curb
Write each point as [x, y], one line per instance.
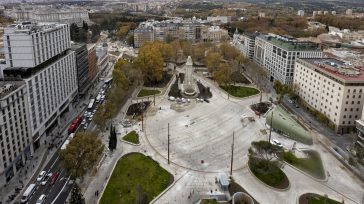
[167, 189]
[266, 185]
[130, 143]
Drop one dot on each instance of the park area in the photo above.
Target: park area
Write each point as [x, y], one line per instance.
[136, 177]
[147, 92]
[240, 91]
[132, 137]
[311, 198]
[311, 163]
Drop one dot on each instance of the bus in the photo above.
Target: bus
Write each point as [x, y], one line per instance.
[91, 104]
[28, 193]
[64, 146]
[75, 123]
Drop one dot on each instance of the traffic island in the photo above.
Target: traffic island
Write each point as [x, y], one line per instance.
[136, 177]
[311, 198]
[148, 92]
[309, 162]
[269, 173]
[240, 91]
[132, 137]
[235, 188]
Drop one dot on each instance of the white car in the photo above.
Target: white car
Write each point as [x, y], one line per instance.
[83, 121]
[183, 100]
[46, 178]
[276, 142]
[85, 126]
[171, 98]
[41, 199]
[89, 114]
[41, 176]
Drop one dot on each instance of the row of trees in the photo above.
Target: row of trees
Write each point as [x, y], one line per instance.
[86, 33]
[341, 22]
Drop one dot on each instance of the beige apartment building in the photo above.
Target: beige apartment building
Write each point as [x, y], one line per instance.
[333, 88]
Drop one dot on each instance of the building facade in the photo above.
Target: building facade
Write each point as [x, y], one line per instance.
[51, 78]
[68, 16]
[82, 64]
[28, 45]
[15, 138]
[360, 130]
[333, 88]
[92, 61]
[142, 35]
[277, 54]
[102, 58]
[245, 43]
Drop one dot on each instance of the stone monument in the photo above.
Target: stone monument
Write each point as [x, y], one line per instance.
[189, 86]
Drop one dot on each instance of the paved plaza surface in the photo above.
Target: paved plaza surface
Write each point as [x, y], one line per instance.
[204, 131]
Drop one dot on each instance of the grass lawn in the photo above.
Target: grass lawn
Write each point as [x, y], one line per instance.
[269, 173]
[240, 91]
[311, 198]
[135, 171]
[132, 137]
[147, 92]
[312, 164]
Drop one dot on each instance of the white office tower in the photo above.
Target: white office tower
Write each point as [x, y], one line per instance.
[40, 56]
[277, 54]
[301, 13]
[15, 135]
[28, 45]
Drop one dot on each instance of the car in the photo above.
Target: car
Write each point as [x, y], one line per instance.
[276, 142]
[183, 100]
[54, 178]
[206, 100]
[83, 121]
[199, 100]
[85, 113]
[41, 199]
[85, 126]
[171, 98]
[41, 176]
[46, 178]
[89, 114]
[188, 100]
[290, 101]
[296, 106]
[94, 111]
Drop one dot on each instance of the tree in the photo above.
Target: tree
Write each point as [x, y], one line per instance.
[74, 32]
[150, 62]
[76, 195]
[81, 154]
[130, 40]
[112, 138]
[264, 150]
[101, 117]
[223, 74]
[84, 26]
[123, 31]
[212, 61]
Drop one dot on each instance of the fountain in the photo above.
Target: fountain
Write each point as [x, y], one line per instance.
[189, 86]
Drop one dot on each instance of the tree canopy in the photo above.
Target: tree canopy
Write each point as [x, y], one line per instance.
[81, 154]
[264, 150]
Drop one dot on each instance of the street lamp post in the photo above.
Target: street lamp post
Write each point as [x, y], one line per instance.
[271, 124]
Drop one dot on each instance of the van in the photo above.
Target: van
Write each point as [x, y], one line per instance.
[28, 193]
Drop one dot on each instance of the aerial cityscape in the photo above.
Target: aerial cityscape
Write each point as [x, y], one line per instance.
[181, 101]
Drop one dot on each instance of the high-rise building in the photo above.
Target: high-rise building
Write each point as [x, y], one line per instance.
[16, 139]
[277, 54]
[301, 13]
[81, 53]
[102, 58]
[245, 43]
[142, 35]
[40, 56]
[92, 61]
[29, 45]
[360, 129]
[333, 88]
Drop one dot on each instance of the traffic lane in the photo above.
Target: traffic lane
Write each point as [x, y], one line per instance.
[62, 197]
[47, 187]
[52, 190]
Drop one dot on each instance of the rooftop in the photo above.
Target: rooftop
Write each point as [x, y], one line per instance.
[8, 86]
[340, 70]
[290, 43]
[29, 27]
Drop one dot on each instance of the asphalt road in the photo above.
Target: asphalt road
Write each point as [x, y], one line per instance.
[59, 191]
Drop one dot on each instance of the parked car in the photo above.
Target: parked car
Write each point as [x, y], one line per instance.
[41, 176]
[171, 98]
[54, 178]
[276, 142]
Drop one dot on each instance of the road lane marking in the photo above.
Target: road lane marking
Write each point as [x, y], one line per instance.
[61, 190]
[53, 163]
